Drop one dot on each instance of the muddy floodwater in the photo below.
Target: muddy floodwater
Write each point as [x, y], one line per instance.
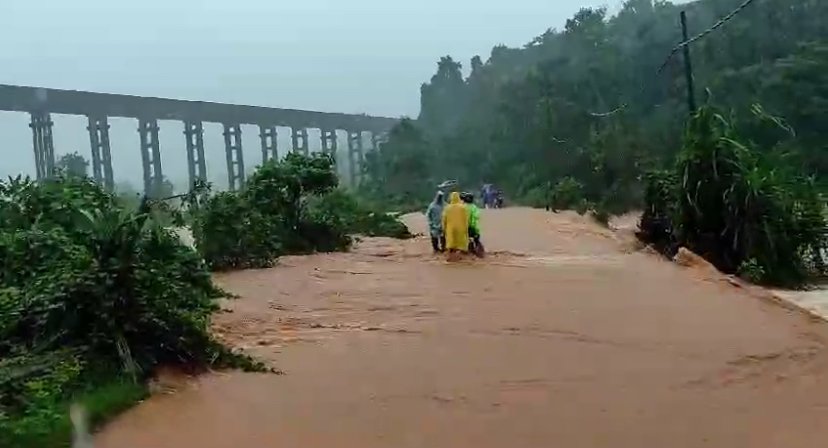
[565, 336]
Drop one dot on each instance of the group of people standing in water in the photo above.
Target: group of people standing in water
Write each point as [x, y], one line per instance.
[454, 227]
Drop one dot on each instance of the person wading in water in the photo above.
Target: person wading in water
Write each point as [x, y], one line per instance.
[456, 226]
[435, 223]
[475, 245]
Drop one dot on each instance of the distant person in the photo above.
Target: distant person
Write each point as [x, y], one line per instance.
[456, 225]
[486, 196]
[475, 246]
[491, 196]
[435, 223]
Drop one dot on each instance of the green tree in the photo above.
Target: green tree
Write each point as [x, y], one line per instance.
[443, 99]
[403, 168]
[73, 164]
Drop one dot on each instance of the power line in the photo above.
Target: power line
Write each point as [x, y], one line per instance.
[704, 34]
[721, 22]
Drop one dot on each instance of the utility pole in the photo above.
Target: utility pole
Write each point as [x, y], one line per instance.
[688, 67]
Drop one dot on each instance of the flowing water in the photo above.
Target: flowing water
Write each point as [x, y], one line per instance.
[565, 336]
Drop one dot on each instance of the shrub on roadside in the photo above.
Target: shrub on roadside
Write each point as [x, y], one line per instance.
[568, 194]
[325, 222]
[536, 197]
[231, 234]
[600, 214]
[252, 227]
[739, 206]
[362, 218]
[660, 199]
[291, 206]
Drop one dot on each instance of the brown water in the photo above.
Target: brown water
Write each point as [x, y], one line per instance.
[563, 337]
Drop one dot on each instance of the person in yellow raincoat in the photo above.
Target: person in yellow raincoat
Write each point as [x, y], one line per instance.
[456, 224]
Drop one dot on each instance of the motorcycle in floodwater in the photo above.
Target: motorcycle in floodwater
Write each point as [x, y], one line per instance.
[476, 247]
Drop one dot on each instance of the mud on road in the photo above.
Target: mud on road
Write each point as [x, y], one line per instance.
[564, 336]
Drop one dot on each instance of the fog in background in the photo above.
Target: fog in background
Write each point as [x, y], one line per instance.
[352, 56]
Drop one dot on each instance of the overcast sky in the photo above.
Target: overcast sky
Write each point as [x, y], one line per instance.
[330, 55]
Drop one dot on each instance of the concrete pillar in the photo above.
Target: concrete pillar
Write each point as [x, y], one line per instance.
[355, 156]
[98, 128]
[329, 143]
[376, 139]
[43, 144]
[360, 156]
[269, 138]
[196, 164]
[299, 136]
[150, 156]
[235, 156]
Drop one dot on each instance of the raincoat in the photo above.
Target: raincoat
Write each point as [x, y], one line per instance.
[456, 224]
[435, 216]
[474, 218]
[487, 195]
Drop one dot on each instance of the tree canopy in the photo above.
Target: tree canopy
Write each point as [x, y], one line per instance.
[73, 164]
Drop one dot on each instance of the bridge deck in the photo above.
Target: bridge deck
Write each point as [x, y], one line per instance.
[75, 102]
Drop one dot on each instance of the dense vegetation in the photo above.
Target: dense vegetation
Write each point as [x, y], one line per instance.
[582, 117]
[741, 206]
[92, 298]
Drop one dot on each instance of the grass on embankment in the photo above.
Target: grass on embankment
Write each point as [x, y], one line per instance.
[48, 424]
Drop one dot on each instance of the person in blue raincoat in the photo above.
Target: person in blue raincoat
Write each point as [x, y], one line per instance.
[435, 223]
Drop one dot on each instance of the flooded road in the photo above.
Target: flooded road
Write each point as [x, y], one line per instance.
[564, 336]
